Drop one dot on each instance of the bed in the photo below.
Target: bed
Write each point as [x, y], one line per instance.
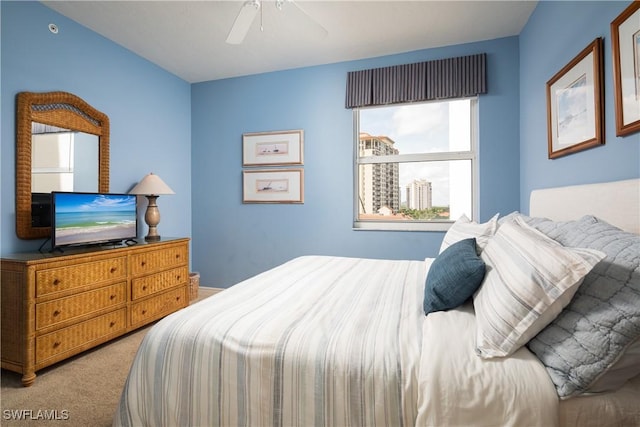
[339, 341]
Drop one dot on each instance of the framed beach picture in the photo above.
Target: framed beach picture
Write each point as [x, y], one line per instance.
[575, 114]
[273, 186]
[625, 45]
[273, 148]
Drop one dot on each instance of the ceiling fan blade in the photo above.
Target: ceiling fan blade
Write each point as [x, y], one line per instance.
[311, 18]
[243, 22]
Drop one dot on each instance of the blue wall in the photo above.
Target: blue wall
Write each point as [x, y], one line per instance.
[149, 109]
[232, 241]
[555, 34]
[191, 135]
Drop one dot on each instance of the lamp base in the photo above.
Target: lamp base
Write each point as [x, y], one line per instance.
[152, 218]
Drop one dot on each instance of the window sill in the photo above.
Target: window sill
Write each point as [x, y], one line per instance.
[402, 225]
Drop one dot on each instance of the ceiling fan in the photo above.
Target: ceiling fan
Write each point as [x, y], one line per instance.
[248, 12]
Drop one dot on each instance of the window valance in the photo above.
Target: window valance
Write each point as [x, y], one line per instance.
[423, 81]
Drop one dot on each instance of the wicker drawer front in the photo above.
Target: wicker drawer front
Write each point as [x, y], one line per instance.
[67, 339]
[148, 310]
[64, 278]
[148, 285]
[158, 260]
[56, 311]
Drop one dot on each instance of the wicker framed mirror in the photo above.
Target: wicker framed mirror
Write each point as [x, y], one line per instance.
[55, 112]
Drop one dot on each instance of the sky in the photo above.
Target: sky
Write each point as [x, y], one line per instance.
[75, 202]
[415, 128]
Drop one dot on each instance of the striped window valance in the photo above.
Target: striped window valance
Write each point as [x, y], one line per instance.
[422, 81]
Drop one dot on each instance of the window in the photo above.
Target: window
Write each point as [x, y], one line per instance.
[415, 165]
[52, 162]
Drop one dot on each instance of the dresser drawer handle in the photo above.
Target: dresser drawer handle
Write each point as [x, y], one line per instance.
[177, 256]
[56, 282]
[177, 277]
[56, 344]
[112, 297]
[177, 298]
[144, 311]
[56, 313]
[143, 263]
[144, 288]
[112, 324]
[113, 269]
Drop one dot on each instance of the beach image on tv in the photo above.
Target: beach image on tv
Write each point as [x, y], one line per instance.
[92, 218]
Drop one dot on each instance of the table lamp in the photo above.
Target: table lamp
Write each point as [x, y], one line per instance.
[152, 186]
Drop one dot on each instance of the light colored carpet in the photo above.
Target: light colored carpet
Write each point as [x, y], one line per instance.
[81, 391]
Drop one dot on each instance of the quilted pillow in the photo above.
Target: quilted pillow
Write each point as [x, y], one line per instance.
[530, 278]
[591, 335]
[627, 367]
[454, 276]
[464, 228]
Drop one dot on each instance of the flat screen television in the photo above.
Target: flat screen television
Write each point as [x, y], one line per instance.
[92, 218]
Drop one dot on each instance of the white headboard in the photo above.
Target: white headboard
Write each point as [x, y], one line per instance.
[617, 203]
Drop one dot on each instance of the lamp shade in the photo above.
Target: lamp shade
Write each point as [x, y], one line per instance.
[151, 185]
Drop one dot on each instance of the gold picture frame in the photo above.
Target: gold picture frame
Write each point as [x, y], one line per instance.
[625, 47]
[278, 148]
[273, 185]
[575, 113]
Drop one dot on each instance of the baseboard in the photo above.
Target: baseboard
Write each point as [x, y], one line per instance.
[213, 291]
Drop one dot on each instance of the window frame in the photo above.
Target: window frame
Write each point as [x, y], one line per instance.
[417, 225]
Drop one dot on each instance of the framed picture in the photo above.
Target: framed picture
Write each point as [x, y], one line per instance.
[575, 114]
[625, 44]
[273, 148]
[273, 186]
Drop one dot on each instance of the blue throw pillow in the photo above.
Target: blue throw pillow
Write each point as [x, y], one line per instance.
[453, 277]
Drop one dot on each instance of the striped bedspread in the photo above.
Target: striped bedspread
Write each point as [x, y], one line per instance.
[317, 341]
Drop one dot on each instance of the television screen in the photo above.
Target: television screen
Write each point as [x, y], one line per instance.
[92, 218]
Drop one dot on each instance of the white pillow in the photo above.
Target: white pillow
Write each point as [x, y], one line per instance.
[508, 217]
[530, 278]
[464, 228]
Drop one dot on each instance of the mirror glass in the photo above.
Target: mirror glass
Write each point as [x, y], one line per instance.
[62, 144]
[63, 160]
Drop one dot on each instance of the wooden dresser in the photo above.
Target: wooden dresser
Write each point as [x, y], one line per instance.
[56, 305]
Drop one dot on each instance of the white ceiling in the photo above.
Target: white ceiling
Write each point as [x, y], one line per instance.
[187, 38]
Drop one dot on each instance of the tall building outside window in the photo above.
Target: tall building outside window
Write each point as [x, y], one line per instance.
[415, 164]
